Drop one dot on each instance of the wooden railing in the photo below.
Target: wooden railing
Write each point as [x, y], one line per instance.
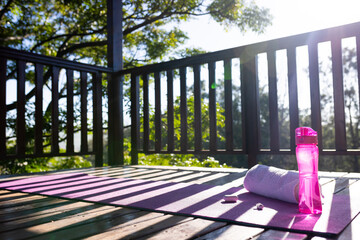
[183, 70]
[24, 62]
[249, 96]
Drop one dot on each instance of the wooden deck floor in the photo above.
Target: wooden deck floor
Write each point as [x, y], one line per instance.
[27, 216]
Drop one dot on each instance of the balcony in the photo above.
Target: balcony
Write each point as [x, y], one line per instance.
[174, 111]
[221, 103]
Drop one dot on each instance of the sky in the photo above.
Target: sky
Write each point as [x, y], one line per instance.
[289, 18]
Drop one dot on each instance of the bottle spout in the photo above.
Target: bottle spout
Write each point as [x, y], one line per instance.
[305, 135]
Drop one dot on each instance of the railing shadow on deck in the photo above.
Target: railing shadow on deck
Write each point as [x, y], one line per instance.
[187, 112]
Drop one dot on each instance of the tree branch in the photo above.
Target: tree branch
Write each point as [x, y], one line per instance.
[6, 8]
[144, 23]
[163, 15]
[67, 35]
[74, 47]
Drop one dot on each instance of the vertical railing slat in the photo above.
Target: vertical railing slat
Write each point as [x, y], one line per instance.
[135, 118]
[145, 78]
[39, 72]
[97, 119]
[70, 111]
[293, 95]
[250, 98]
[197, 109]
[228, 106]
[157, 112]
[273, 102]
[315, 91]
[170, 111]
[55, 111]
[338, 86]
[116, 119]
[358, 62]
[183, 110]
[212, 107]
[20, 118]
[83, 112]
[3, 67]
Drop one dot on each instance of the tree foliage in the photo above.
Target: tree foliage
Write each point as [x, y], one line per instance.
[77, 29]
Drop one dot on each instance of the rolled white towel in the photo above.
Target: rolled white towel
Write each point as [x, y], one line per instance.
[273, 182]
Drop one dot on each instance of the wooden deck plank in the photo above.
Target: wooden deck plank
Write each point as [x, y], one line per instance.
[20, 209]
[81, 229]
[138, 229]
[75, 225]
[233, 232]
[187, 230]
[20, 200]
[42, 217]
[279, 235]
[6, 194]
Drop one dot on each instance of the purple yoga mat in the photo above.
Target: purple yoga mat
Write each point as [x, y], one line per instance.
[197, 200]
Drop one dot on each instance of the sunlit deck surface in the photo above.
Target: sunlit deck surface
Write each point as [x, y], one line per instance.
[32, 216]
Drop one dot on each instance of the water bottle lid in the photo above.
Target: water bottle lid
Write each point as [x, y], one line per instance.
[305, 135]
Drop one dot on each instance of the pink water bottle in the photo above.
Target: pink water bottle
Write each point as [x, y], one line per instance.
[307, 155]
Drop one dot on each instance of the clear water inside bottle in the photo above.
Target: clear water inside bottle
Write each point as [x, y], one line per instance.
[309, 189]
[309, 194]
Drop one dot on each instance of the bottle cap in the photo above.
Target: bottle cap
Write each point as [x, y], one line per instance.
[305, 135]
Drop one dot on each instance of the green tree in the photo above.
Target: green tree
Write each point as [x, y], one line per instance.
[77, 30]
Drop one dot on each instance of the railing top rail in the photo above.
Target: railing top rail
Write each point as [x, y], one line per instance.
[47, 60]
[345, 31]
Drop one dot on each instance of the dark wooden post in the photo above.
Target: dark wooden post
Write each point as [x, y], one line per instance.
[273, 102]
[115, 84]
[3, 66]
[212, 107]
[228, 106]
[339, 102]
[135, 118]
[315, 91]
[183, 110]
[293, 95]
[21, 101]
[197, 109]
[250, 106]
[55, 110]
[98, 144]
